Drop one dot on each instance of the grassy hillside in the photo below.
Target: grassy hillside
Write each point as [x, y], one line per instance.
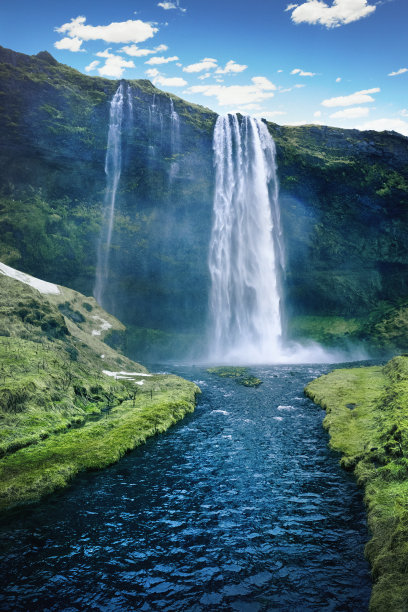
[367, 419]
[62, 408]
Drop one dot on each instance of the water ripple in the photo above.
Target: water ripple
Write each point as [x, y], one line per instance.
[240, 507]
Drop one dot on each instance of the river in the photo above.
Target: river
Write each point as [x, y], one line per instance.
[241, 506]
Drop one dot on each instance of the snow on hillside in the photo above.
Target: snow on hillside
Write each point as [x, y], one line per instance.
[36, 283]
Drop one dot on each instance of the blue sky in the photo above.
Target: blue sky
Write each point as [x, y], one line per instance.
[336, 62]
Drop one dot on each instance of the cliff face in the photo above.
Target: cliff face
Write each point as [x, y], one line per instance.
[344, 200]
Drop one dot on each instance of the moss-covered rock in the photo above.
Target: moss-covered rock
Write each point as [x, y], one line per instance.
[241, 375]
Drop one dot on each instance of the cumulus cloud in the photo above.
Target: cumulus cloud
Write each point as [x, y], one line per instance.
[400, 71]
[359, 97]
[338, 79]
[135, 51]
[317, 114]
[155, 61]
[114, 65]
[263, 83]
[69, 44]
[163, 81]
[205, 64]
[168, 6]
[404, 112]
[269, 115]
[236, 94]
[204, 76]
[300, 72]
[231, 66]
[92, 66]
[396, 125]
[338, 13]
[131, 31]
[152, 73]
[351, 113]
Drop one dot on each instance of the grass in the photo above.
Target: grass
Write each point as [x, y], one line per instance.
[28, 474]
[59, 413]
[367, 418]
[241, 375]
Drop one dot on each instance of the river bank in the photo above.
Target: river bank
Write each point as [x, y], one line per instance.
[367, 419]
[239, 506]
[68, 401]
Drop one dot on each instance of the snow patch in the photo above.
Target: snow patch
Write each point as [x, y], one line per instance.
[36, 283]
[103, 325]
[126, 375]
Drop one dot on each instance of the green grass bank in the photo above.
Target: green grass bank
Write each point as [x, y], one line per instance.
[367, 419]
[68, 401]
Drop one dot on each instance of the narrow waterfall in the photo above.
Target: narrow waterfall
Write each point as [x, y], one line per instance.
[245, 249]
[113, 167]
[174, 140]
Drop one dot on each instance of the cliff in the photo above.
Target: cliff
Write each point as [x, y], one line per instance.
[344, 203]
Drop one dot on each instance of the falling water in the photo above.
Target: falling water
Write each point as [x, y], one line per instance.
[245, 249]
[174, 140]
[113, 167]
[155, 129]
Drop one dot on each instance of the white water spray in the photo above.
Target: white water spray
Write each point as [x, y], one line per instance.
[174, 140]
[245, 248]
[113, 167]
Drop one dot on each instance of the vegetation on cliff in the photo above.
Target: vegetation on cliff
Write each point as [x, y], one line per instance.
[69, 402]
[343, 201]
[367, 419]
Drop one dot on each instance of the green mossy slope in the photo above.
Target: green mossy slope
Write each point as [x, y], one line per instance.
[59, 412]
[367, 418]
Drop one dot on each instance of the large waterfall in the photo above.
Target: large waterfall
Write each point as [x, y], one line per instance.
[113, 167]
[245, 249]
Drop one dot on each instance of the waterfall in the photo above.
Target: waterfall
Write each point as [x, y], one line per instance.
[155, 129]
[174, 140]
[113, 167]
[245, 253]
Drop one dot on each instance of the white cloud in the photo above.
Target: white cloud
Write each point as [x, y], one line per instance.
[404, 112]
[269, 115]
[204, 76]
[317, 114]
[400, 71]
[69, 44]
[205, 64]
[155, 61]
[300, 72]
[163, 81]
[131, 31]
[135, 51]
[231, 66]
[338, 79]
[397, 125]
[114, 65]
[338, 13]
[279, 70]
[351, 113]
[359, 97]
[152, 73]
[92, 66]
[290, 7]
[236, 94]
[263, 83]
[167, 6]
[299, 86]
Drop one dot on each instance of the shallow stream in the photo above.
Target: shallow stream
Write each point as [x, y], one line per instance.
[241, 506]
